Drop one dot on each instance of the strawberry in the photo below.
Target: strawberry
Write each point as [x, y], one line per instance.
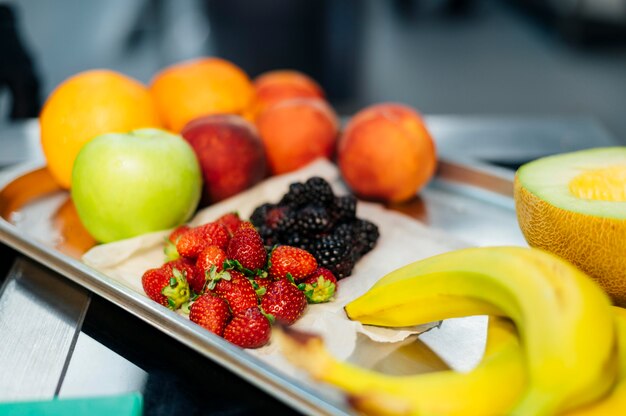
[320, 286]
[210, 261]
[237, 290]
[249, 329]
[170, 243]
[295, 261]
[191, 243]
[284, 301]
[188, 269]
[166, 285]
[246, 224]
[260, 285]
[231, 221]
[247, 248]
[210, 312]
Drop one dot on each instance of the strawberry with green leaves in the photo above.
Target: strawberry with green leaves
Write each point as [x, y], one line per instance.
[166, 285]
[191, 243]
[320, 286]
[210, 312]
[246, 247]
[189, 271]
[249, 328]
[210, 262]
[295, 261]
[236, 289]
[170, 243]
[284, 301]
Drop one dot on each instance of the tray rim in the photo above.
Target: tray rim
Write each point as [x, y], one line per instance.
[291, 391]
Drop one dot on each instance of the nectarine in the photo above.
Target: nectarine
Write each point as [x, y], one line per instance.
[296, 132]
[386, 153]
[230, 152]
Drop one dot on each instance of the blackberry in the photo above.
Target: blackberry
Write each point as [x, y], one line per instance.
[313, 219]
[365, 236]
[344, 208]
[343, 268]
[268, 235]
[345, 232]
[260, 213]
[335, 254]
[320, 191]
[298, 240]
[278, 217]
[297, 196]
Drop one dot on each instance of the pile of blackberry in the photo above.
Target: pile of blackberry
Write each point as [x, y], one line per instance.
[312, 217]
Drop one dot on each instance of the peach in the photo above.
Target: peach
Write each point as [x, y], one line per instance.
[386, 153]
[230, 152]
[296, 132]
[276, 86]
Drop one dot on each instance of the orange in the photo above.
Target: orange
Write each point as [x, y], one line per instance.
[86, 105]
[279, 85]
[199, 87]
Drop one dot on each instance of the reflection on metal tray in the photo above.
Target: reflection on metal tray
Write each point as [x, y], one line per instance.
[471, 202]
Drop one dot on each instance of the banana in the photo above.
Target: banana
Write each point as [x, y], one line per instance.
[437, 393]
[615, 402]
[554, 305]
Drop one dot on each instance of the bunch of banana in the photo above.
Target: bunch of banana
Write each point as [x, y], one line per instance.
[557, 365]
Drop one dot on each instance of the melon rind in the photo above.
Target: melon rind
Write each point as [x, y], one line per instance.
[590, 234]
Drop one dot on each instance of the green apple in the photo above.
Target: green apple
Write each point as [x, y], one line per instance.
[127, 184]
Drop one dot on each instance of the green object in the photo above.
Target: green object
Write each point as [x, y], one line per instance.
[120, 405]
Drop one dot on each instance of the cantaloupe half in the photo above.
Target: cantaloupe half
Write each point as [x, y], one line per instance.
[574, 205]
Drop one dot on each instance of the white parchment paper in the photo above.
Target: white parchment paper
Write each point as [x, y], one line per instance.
[402, 240]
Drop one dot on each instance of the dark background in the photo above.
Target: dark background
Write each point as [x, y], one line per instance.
[482, 57]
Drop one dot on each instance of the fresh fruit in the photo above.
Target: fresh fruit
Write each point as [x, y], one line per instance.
[438, 393]
[276, 86]
[284, 301]
[309, 216]
[191, 243]
[187, 90]
[320, 286]
[574, 205]
[188, 269]
[237, 290]
[386, 153]
[166, 285]
[552, 303]
[127, 184]
[246, 246]
[87, 105]
[210, 261]
[210, 312]
[170, 243]
[231, 221]
[296, 132]
[235, 268]
[230, 152]
[249, 329]
[291, 261]
[615, 402]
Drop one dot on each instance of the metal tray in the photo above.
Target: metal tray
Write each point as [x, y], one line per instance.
[469, 200]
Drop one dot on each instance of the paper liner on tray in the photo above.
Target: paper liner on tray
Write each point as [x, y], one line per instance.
[402, 240]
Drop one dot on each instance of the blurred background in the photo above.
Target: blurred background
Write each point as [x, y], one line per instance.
[464, 57]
